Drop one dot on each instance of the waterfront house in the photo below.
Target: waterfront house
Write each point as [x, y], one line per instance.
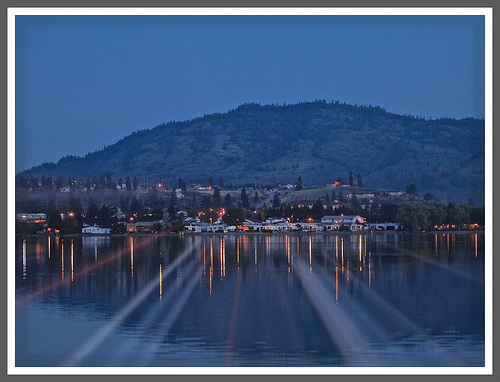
[343, 219]
[32, 218]
[143, 227]
[383, 226]
[95, 230]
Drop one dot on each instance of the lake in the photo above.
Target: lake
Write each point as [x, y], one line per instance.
[325, 299]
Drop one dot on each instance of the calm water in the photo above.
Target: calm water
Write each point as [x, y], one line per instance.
[251, 300]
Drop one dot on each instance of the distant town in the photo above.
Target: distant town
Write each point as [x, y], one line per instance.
[130, 206]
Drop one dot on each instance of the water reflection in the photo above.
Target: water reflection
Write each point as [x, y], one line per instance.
[395, 290]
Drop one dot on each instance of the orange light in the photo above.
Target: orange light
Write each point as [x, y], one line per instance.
[71, 214]
[131, 218]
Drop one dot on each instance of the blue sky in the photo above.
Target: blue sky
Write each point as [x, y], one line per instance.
[83, 82]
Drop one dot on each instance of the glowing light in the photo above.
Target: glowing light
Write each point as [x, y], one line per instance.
[132, 256]
[337, 284]
[310, 219]
[131, 218]
[72, 255]
[62, 261]
[24, 259]
[71, 214]
[161, 286]
[159, 185]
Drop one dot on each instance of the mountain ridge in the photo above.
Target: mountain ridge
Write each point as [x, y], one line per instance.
[318, 141]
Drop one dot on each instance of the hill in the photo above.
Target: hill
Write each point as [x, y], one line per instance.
[319, 141]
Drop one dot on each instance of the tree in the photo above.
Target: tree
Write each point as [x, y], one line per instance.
[458, 214]
[411, 189]
[173, 197]
[48, 183]
[51, 206]
[234, 216]
[211, 181]
[92, 214]
[172, 213]
[104, 217]
[256, 198]
[216, 197]
[276, 201]
[227, 200]
[206, 202]
[60, 181]
[221, 182]
[244, 199]
[128, 184]
[430, 197]
[351, 179]
[135, 183]
[54, 220]
[75, 206]
[136, 206]
[298, 185]
[360, 181]
[110, 184]
[414, 215]
[181, 184]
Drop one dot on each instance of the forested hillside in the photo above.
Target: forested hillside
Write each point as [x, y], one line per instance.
[319, 141]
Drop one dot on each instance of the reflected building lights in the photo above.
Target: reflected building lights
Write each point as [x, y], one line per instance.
[310, 253]
[71, 259]
[24, 259]
[347, 270]
[342, 253]
[211, 264]
[223, 255]
[336, 248]
[359, 248]
[48, 240]
[204, 259]
[238, 253]
[131, 240]
[337, 284]
[161, 285]
[62, 260]
[238, 250]
[369, 270]
[288, 250]
[255, 255]
[95, 250]
[475, 245]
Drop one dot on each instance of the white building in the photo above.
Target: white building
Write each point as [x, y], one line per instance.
[96, 230]
[383, 226]
[343, 219]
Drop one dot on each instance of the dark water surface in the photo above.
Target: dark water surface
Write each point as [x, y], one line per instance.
[251, 300]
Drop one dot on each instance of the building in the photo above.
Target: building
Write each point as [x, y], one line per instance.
[95, 230]
[32, 218]
[343, 219]
[143, 227]
[394, 193]
[383, 226]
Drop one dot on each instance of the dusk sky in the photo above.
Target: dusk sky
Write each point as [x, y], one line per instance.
[84, 82]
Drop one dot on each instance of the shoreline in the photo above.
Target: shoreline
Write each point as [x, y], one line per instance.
[180, 234]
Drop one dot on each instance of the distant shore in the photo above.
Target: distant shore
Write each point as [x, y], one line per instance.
[179, 234]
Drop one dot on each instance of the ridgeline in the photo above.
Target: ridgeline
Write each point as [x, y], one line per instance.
[319, 141]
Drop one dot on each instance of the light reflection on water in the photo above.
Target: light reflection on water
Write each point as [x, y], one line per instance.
[244, 300]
